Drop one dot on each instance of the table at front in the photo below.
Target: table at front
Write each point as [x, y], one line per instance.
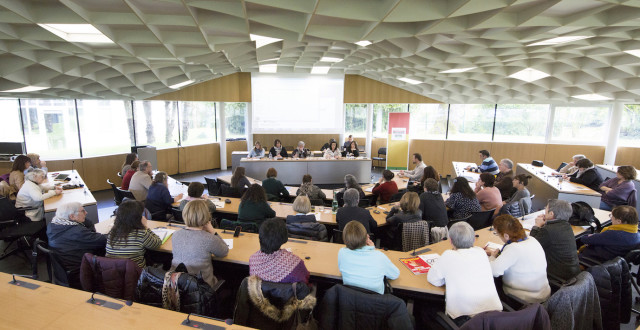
[608, 171]
[81, 195]
[323, 171]
[544, 186]
[237, 155]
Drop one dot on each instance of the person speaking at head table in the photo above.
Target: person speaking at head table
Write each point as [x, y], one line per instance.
[257, 151]
[278, 151]
[332, 152]
[300, 151]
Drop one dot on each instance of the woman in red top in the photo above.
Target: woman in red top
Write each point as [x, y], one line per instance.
[126, 179]
[386, 187]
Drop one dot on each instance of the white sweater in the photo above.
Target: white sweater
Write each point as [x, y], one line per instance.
[523, 268]
[470, 286]
[33, 195]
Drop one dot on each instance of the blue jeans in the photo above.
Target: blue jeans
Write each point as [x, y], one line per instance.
[605, 206]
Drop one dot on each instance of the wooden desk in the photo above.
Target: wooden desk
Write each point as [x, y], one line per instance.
[55, 307]
[545, 187]
[323, 171]
[81, 195]
[609, 171]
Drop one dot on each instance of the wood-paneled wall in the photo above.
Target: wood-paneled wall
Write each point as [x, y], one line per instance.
[232, 88]
[240, 145]
[359, 89]
[628, 156]
[311, 141]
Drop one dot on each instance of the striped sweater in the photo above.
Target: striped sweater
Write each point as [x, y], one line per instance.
[134, 246]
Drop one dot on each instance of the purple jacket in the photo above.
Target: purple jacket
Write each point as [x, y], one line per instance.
[622, 194]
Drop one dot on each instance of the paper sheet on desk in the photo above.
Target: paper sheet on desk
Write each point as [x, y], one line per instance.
[370, 189]
[163, 233]
[218, 204]
[229, 242]
[529, 221]
[317, 215]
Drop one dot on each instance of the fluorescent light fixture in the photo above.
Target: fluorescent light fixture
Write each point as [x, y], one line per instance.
[529, 75]
[458, 70]
[331, 59]
[364, 43]
[558, 40]
[184, 83]
[268, 68]
[262, 40]
[25, 89]
[320, 69]
[592, 97]
[77, 33]
[410, 81]
[634, 52]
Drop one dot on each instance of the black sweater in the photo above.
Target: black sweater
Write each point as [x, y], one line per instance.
[559, 244]
[590, 178]
[433, 209]
[348, 213]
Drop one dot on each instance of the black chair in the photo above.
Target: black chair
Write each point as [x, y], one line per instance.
[177, 215]
[561, 166]
[383, 152]
[316, 202]
[120, 174]
[57, 273]
[633, 259]
[213, 187]
[119, 194]
[364, 202]
[247, 227]
[396, 197]
[453, 221]
[16, 228]
[227, 191]
[482, 219]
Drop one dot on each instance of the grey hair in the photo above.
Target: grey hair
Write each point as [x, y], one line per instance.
[351, 197]
[579, 156]
[66, 210]
[33, 174]
[562, 210]
[300, 143]
[350, 181]
[508, 163]
[462, 235]
[143, 165]
[160, 177]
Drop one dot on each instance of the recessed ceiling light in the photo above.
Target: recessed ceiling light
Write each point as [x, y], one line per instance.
[364, 43]
[529, 75]
[458, 70]
[268, 68]
[320, 70]
[262, 40]
[592, 97]
[410, 81]
[558, 40]
[25, 89]
[184, 83]
[634, 52]
[331, 59]
[77, 33]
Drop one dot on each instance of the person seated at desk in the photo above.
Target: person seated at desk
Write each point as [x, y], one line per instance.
[429, 173]
[257, 151]
[194, 192]
[619, 190]
[504, 179]
[586, 175]
[126, 179]
[194, 245]
[614, 241]
[16, 177]
[466, 272]
[132, 157]
[328, 144]
[33, 193]
[347, 142]
[462, 200]
[488, 195]
[254, 207]
[238, 180]
[141, 181]
[488, 164]
[352, 150]
[349, 182]
[418, 171]
[278, 151]
[386, 187]
[70, 236]
[553, 231]
[571, 167]
[272, 263]
[432, 206]
[159, 198]
[350, 211]
[129, 238]
[520, 182]
[300, 151]
[37, 163]
[273, 187]
[360, 263]
[302, 206]
[332, 152]
[521, 262]
[309, 189]
[407, 211]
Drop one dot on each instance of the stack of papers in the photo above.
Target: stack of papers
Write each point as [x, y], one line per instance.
[163, 233]
[229, 242]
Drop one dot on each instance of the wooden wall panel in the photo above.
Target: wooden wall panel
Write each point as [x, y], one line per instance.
[359, 89]
[232, 88]
[558, 153]
[240, 145]
[518, 152]
[432, 152]
[201, 157]
[461, 151]
[312, 141]
[168, 160]
[98, 169]
[66, 164]
[628, 156]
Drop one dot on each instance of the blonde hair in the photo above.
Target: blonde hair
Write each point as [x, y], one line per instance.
[410, 202]
[196, 213]
[302, 204]
[35, 158]
[354, 235]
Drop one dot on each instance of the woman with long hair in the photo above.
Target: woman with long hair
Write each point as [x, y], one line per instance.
[238, 180]
[278, 151]
[129, 237]
[462, 200]
[132, 157]
[253, 205]
[16, 177]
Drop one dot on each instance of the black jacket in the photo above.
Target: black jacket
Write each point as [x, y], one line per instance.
[283, 152]
[559, 244]
[348, 213]
[303, 154]
[397, 216]
[614, 290]
[340, 195]
[590, 178]
[433, 209]
[533, 316]
[354, 308]
[306, 227]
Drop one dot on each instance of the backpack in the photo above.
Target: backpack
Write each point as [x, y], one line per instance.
[583, 215]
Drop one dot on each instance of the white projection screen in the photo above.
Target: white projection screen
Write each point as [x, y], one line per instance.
[297, 103]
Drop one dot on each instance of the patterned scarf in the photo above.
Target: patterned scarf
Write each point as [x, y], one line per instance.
[64, 222]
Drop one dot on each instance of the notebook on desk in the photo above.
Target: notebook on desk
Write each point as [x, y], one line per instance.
[61, 177]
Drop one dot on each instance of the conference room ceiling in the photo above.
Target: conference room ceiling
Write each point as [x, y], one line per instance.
[160, 43]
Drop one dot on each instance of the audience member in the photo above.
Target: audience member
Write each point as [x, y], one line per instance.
[432, 205]
[408, 211]
[302, 206]
[37, 163]
[520, 182]
[194, 245]
[309, 189]
[488, 164]
[253, 205]
[349, 182]
[332, 152]
[352, 150]
[619, 190]
[616, 240]
[487, 194]
[272, 263]
[429, 173]
[300, 151]
[257, 151]
[195, 192]
[350, 211]
[238, 180]
[33, 193]
[504, 179]
[141, 181]
[16, 177]
[274, 187]
[571, 167]
[462, 200]
[347, 143]
[360, 263]
[132, 157]
[386, 187]
[278, 151]
[418, 171]
[159, 198]
[586, 175]
[126, 179]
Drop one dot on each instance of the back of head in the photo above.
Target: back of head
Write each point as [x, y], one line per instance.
[237, 175]
[34, 174]
[20, 163]
[507, 224]
[628, 172]
[410, 202]
[306, 178]
[160, 177]
[272, 173]
[128, 218]
[430, 172]
[255, 193]
[351, 182]
[461, 185]
[626, 214]
[578, 157]
[507, 162]
[196, 213]
[144, 165]
[302, 204]
[65, 210]
[135, 165]
[462, 235]
[431, 185]
[34, 158]
[351, 197]
[130, 158]
[354, 235]
[584, 163]
[562, 210]
[485, 153]
[272, 234]
[195, 189]
[488, 179]
[387, 175]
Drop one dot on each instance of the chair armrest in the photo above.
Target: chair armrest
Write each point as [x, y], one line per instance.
[22, 209]
[218, 285]
[589, 262]
[447, 320]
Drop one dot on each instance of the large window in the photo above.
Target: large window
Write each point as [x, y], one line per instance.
[381, 117]
[156, 123]
[355, 119]
[235, 118]
[580, 124]
[428, 121]
[197, 122]
[10, 113]
[106, 127]
[630, 128]
[51, 129]
[521, 123]
[471, 122]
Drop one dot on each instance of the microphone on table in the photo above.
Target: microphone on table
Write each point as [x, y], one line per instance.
[200, 325]
[24, 284]
[73, 162]
[107, 304]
